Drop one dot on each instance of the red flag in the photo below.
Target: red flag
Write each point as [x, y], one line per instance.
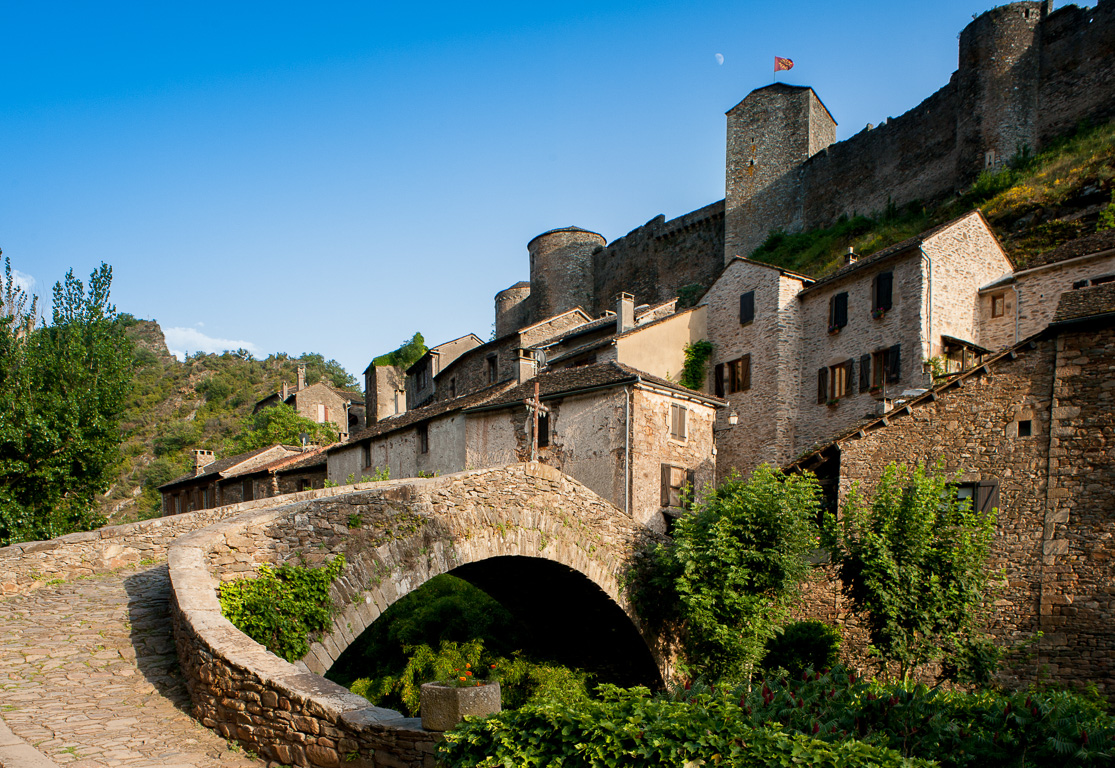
[781, 63]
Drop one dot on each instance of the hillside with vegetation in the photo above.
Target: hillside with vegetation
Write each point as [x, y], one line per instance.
[1034, 203]
[202, 402]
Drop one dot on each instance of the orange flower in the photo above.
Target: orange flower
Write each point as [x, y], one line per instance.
[468, 666]
[469, 674]
[493, 666]
[462, 679]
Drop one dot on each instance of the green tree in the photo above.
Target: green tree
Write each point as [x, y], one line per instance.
[733, 569]
[914, 560]
[63, 387]
[280, 424]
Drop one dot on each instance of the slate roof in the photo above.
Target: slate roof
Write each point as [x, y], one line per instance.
[1081, 246]
[583, 378]
[1085, 304]
[417, 415]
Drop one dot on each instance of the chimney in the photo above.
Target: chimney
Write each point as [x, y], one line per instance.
[286, 391]
[527, 366]
[202, 459]
[301, 378]
[625, 312]
[850, 256]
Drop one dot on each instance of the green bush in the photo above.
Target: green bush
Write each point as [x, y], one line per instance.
[630, 728]
[803, 645]
[283, 606]
[954, 728]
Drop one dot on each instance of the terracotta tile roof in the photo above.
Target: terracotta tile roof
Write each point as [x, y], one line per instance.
[886, 253]
[1086, 303]
[1081, 246]
[297, 464]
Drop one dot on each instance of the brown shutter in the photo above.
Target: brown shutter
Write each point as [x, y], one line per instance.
[746, 383]
[682, 426]
[665, 485]
[840, 310]
[882, 290]
[864, 373]
[822, 385]
[849, 376]
[987, 495]
[718, 385]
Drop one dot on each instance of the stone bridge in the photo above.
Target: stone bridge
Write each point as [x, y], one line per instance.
[544, 545]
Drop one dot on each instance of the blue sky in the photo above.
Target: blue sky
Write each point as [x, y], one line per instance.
[333, 177]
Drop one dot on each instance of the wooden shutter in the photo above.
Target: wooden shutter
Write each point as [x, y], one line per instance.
[894, 364]
[666, 485]
[745, 382]
[682, 412]
[884, 282]
[838, 310]
[864, 373]
[987, 495]
[822, 385]
[746, 307]
[718, 385]
[849, 376]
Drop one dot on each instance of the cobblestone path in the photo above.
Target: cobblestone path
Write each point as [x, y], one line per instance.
[89, 677]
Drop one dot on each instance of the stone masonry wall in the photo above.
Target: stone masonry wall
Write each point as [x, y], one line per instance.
[409, 532]
[1077, 608]
[766, 411]
[655, 260]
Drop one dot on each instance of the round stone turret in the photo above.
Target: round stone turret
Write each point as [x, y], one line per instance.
[512, 309]
[561, 275]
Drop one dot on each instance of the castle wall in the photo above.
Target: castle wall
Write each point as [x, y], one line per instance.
[1077, 68]
[660, 257]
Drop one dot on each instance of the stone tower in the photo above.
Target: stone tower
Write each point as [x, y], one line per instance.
[770, 134]
[999, 78]
[561, 275]
[512, 309]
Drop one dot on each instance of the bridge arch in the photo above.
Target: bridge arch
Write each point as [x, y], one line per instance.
[504, 528]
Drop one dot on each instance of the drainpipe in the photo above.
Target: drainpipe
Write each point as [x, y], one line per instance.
[1017, 309]
[627, 450]
[929, 302]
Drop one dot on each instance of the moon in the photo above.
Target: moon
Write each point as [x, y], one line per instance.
[719, 59]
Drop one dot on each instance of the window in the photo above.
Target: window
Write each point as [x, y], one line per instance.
[838, 311]
[366, 452]
[718, 380]
[304, 484]
[835, 382]
[677, 421]
[674, 482]
[983, 493]
[492, 368]
[423, 438]
[998, 304]
[321, 413]
[1025, 428]
[453, 387]
[746, 307]
[879, 368]
[422, 378]
[246, 490]
[543, 430]
[881, 290]
[739, 375]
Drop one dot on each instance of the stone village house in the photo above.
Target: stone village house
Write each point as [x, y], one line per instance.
[635, 439]
[1031, 428]
[321, 403]
[258, 474]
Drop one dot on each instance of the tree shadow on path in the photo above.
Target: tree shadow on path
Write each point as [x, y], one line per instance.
[152, 634]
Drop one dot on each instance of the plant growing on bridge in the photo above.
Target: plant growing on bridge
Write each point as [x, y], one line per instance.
[914, 559]
[282, 607]
[732, 570]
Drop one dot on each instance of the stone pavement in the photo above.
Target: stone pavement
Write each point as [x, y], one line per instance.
[89, 677]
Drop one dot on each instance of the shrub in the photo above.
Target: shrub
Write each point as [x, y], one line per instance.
[803, 645]
[283, 606]
[629, 727]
